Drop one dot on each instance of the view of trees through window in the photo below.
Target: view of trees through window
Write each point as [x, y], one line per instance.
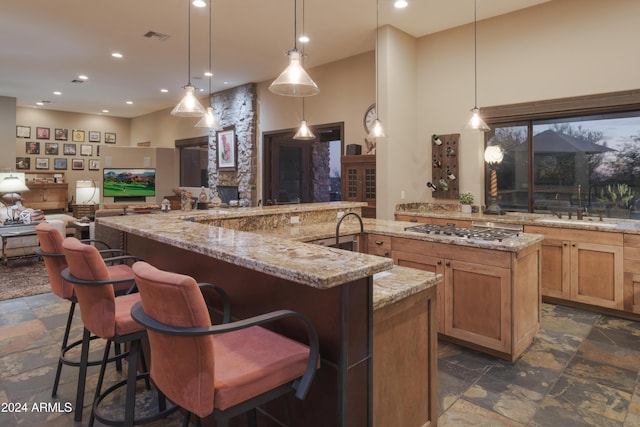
[591, 162]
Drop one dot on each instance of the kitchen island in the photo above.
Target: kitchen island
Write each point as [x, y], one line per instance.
[333, 287]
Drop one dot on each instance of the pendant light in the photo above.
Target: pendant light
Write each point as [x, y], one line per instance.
[294, 80]
[303, 133]
[377, 131]
[476, 122]
[209, 120]
[189, 106]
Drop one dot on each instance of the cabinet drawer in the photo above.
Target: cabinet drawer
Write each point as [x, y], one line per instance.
[379, 245]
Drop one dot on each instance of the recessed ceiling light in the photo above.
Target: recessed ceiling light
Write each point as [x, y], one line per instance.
[199, 3]
[83, 77]
[208, 74]
[129, 102]
[225, 83]
[116, 55]
[401, 4]
[164, 90]
[105, 111]
[303, 39]
[40, 103]
[57, 92]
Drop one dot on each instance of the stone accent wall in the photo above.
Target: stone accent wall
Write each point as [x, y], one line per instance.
[321, 171]
[236, 108]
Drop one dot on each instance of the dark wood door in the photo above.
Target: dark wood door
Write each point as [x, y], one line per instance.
[289, 176]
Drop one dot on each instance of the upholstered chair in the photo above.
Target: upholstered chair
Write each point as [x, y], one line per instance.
[222, 370]
[51, 251]
[107, 317]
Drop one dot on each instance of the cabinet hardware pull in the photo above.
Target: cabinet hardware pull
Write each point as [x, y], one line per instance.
[439, 262]
[379, 242]
[448, 264]
[413, 220]
[386, 253]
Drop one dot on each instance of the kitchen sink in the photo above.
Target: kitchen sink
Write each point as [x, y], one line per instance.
[594, 223]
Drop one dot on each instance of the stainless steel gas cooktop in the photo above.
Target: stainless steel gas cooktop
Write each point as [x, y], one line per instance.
[491, 234]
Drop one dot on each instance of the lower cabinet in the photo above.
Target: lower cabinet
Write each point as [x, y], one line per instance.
[488, 300]
[631, 273]
[582, 266]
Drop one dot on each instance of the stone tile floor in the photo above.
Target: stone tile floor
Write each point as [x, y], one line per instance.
[582, 370]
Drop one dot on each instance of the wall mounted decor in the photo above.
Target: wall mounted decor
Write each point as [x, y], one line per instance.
[23, 163]
[42, 163]
[51, 148]
[43, 133]
[23, 131]
[227, 149]
[60, 163]
[32, 147]
[444, 165]
[94, 136]
[61, 134]
[86, 150]
[69, 149]
[110, 137]
[77, 135]
[77, 164]
[94, 164]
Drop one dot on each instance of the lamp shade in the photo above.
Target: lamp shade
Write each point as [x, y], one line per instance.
[493, 154]
[189, 106]
[304, 133]
[476, 122]
[13, 184]
[87, 193]
[294, 80]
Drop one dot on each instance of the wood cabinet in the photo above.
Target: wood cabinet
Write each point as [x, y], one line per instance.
[488, 300]
[378, 245]
[582, 266]
[359, 182]
[46, 196]
[631, 285]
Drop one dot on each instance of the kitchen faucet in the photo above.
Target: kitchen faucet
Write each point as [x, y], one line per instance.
[580, 202]
[340, 222]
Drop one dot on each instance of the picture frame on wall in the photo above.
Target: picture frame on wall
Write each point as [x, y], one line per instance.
[23, 131]
[51, 148]
[94, 136]
[227, 149]
[77, 135]
[60, 163]
[42, 163]
[77, 164]
[86, 150]
[61, 134]
[43, 133]
[94, 164]
[110, 137]
[69, 149]
[23, 163]
[32, 147]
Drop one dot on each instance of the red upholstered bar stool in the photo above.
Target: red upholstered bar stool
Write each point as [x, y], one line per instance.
[51, 251]
[241, 368]
[108, 317]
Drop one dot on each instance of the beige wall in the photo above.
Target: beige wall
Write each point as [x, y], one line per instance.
[7, 133]
[557, 49]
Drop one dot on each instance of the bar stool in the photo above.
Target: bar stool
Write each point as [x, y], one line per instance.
[51, 251]
[108, 317]
[244, 367]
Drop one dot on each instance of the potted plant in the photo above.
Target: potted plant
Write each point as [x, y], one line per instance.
[466, 200]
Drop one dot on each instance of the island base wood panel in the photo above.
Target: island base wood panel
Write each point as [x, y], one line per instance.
[341, 392]
[405, 362]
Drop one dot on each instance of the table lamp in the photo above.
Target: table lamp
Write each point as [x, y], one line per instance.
[87, 193]
[493, 155]
[10, 187]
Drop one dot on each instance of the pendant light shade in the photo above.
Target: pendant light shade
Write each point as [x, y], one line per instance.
[304, 133]
[189, 106]
[294, 80]
[475, 122]
[209, 120]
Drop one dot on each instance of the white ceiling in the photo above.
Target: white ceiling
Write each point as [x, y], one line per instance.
[44, 45]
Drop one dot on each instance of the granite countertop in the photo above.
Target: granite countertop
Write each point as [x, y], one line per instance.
[311, 265]
[400, 282]
[610, 225]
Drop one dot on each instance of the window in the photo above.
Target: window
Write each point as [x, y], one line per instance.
[586, 161]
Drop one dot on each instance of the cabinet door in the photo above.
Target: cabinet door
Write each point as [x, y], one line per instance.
[426, 263]
[632, 292]
[597, 274]
[556, 268]
[477, 300]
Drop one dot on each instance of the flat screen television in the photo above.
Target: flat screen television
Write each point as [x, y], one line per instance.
[129, 182]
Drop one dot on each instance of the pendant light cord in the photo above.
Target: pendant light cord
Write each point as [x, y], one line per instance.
[189, 44]
[210, 70]
[377, 53]
[475, 53]
[295, 29]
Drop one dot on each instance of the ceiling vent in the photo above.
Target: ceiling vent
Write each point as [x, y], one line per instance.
[155, 35]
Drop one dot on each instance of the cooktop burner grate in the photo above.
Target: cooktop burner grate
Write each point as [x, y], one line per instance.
[471, 233]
